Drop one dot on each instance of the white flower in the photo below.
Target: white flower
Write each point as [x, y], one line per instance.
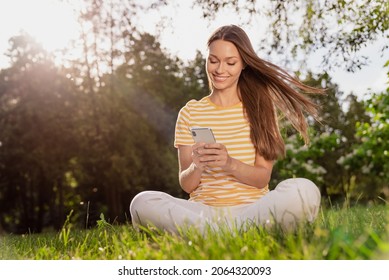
[341, 160]
[365, 169]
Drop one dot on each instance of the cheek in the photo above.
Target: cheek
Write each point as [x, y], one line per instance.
[210, 68]
[236, 71]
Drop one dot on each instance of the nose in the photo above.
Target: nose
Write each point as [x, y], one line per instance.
[220, 68]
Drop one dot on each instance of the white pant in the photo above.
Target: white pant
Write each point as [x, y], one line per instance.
[292, 201]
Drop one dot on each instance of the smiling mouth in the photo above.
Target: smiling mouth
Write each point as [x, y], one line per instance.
[219, 78]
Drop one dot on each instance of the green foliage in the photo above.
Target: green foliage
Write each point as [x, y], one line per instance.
[103, 224]
[299, 28]
[331, 138]
[37, 120]
[370, 155]
[348, 154]
[304, 161]
[64, 235]
[346, 233]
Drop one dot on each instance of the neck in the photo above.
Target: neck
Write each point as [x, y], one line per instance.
[224, 98]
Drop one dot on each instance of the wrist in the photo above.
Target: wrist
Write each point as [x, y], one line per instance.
[197, 169]
[232, 165]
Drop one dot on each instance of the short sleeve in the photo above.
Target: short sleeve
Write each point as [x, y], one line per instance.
[182, 133]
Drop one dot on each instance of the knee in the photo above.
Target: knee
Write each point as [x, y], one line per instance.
[141, 200]
[309, 190]
[135, 206]
[135, 202]
[304, 186]
[305, 193]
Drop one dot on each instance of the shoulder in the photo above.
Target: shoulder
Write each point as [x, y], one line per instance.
[194, 104]
[198, 103]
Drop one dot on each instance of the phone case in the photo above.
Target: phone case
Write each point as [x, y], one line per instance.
[203, 134]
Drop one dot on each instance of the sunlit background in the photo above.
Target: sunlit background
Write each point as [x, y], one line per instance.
[53, 24]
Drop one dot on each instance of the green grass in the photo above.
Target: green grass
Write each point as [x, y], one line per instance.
[351, 233]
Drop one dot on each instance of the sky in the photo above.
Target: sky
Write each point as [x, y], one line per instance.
[52, 23]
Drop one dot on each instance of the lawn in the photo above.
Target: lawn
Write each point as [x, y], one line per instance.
[347, 233]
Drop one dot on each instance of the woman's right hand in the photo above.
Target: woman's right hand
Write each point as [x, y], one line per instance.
[190, 166]
[197, 154]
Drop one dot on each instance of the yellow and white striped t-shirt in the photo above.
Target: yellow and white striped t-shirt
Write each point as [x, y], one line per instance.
[231, 128]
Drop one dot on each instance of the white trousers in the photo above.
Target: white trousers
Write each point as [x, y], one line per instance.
[292, 201]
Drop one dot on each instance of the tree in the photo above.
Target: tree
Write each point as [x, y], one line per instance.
[132, 149]
[36, 135]
[112, 164]
[368, 162]
[299, 28]
[196, 77]
[331, 138]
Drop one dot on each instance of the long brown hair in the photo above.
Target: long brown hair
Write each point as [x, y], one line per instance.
[266, 90]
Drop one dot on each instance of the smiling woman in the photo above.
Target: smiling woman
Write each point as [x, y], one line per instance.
[51, 22]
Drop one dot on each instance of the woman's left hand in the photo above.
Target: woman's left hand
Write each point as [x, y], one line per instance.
[257, 175]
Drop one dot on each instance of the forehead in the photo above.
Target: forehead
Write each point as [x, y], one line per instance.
[223, 49]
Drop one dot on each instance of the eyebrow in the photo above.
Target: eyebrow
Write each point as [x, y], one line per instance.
[225, 58]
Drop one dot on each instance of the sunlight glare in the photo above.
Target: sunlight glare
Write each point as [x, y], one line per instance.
[50, 22]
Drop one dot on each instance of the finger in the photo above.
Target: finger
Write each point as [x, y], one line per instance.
[217, 146]
[213, 158]
[198, 145]
[211, 151]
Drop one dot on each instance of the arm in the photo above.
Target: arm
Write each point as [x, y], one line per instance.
[257, 176]
[190, 167]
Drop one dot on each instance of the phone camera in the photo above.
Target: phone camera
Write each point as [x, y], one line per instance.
[194, 133]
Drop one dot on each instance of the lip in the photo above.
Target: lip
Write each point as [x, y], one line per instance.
[218, 78]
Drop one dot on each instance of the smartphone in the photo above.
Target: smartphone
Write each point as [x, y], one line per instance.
[203, 134]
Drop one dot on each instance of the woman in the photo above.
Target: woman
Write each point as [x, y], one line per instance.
[228, 180]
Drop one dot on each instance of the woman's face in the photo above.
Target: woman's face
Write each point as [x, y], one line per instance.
[224, 65]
